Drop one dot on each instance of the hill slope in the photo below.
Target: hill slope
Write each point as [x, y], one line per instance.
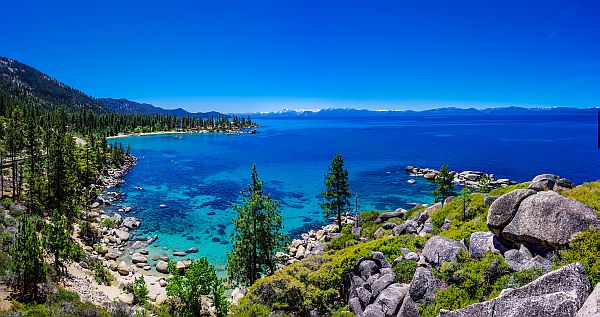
[31, 85]
[132, 107]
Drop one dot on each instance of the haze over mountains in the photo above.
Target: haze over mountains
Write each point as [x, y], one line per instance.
[31, 85]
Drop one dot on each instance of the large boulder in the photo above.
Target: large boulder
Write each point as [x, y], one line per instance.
[503, 209]
[550, 182]
[591, 307]
[389, 215]
[390, 299]
[381, 283]
[408, 308]
[481, 243]
[367, 268]
[559, 293]
[381, 260]
[162, 266]
[550, 219]
[138, 258]
[440, 249]
[423, 286]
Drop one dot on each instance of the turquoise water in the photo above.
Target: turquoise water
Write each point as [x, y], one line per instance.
[199, 176]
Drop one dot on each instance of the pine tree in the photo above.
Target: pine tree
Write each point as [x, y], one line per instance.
[484, 185]
[257, 237]
[465, 199]
[337, 193]
[28, 261]
[58, 241]
[35, 167]
[445, 188]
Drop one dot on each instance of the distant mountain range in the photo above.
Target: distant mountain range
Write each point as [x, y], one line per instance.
[128, 106]
[31, 85]
[350, 112]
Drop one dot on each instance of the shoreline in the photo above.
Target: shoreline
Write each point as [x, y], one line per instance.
[132, 134]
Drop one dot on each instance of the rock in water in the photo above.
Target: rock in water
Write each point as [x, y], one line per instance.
[559, 293]
[504, 209]
[440, 249]
[550, 219]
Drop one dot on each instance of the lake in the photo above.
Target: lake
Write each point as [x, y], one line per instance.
[199, 176]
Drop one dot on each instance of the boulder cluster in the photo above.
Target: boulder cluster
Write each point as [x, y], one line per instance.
[312, 242]
[526, 227]
[466, 178]
[373, 290]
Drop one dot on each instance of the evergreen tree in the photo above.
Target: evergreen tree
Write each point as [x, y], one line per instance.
[58, 241]
[465, 199]
[484, 185]
[257, 237]
[337, 193]
[28, 261]
[62, 175]
[445, 188]
[35, 167]
[186, 290]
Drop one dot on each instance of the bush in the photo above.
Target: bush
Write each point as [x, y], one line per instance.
[138, 289]
[101, 274]
[454, 212]
[404, 271]
[6, 203]
[588, 193]
[346, 240]
[316, 282]
[585, 249]
[451, 298]
[110, 223]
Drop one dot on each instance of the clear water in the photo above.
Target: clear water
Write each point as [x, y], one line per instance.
[200, 176]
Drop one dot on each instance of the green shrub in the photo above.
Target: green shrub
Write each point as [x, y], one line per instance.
[503, 190]
[413, 212]
[452, 298]
[6, 203]
[138, 289]
[585, 248]
[315, 282]
[454, 212]
[588, 193]
[101, 274]
[405, 270]
[109, 222]
[344, 241]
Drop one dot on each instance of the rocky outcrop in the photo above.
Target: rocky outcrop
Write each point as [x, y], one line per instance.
[550, 219]
[503, 209]
[539, 218]
[440, 249]
[467, 178]
[558, 293]
[550, 182]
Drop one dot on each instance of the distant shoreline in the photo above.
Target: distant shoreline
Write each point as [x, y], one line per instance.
[125, 135]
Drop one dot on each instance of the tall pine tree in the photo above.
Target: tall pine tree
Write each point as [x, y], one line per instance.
[445, 187]
[337, 192]
[257, 237]
[28, 261]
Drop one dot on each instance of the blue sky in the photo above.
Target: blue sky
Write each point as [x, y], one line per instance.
[267, 55]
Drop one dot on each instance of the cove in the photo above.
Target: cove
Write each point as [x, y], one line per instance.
[199, 176]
